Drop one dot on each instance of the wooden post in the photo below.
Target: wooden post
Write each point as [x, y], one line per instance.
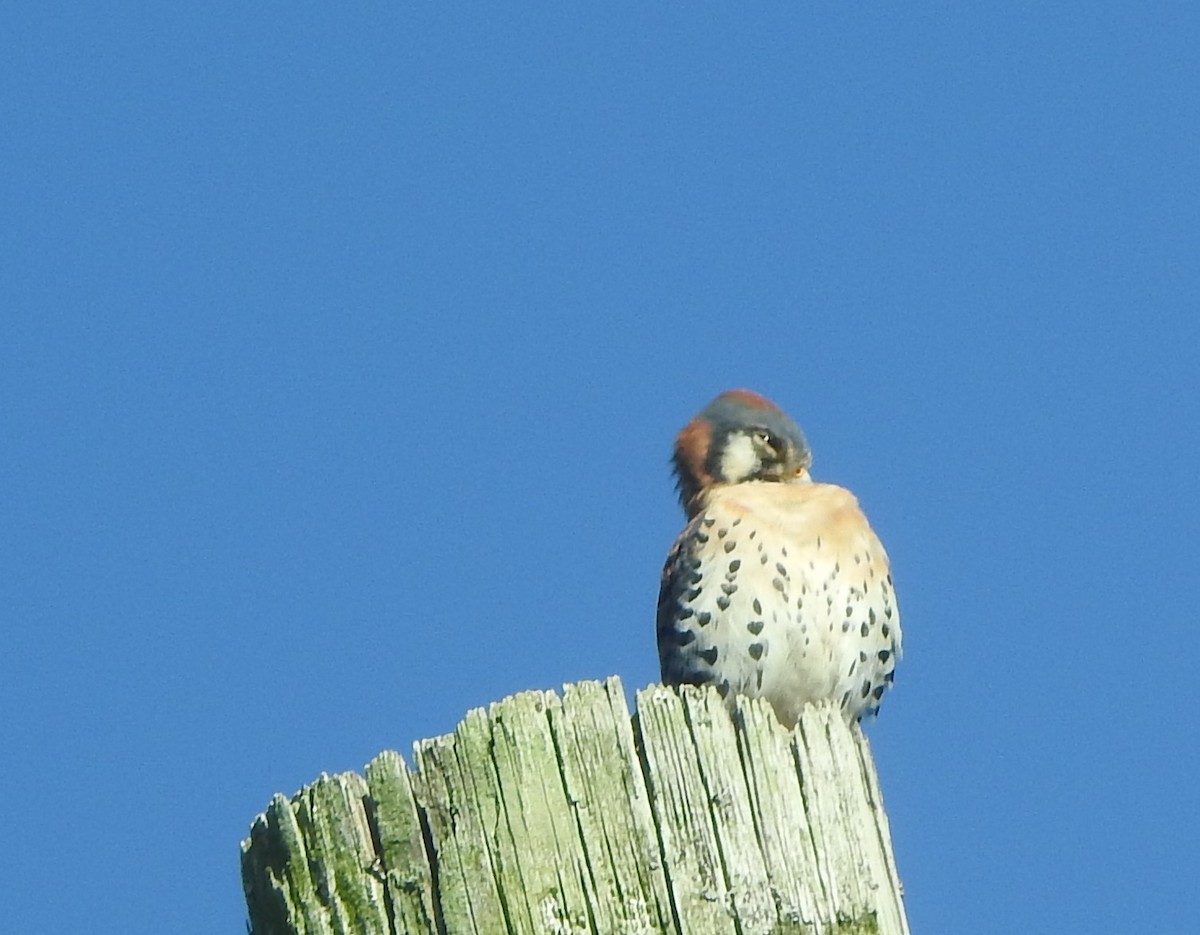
[562, 816]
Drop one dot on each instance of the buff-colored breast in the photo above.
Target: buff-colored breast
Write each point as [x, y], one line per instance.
[780, 591]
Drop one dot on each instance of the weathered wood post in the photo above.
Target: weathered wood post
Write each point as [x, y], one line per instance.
[563, 815]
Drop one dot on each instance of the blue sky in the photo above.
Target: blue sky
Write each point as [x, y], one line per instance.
[342, 349]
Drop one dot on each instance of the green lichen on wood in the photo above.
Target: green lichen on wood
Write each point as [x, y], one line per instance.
[773, 787]
[460, 823]
[722, 773]
[400, 844]
[307, 866]
[693, 861]
[279, 891]
[608, 797]
[539, 839]
[561, 816]
[866, 924]
[332, 815]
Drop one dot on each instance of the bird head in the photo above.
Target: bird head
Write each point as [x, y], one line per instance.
[738, 437]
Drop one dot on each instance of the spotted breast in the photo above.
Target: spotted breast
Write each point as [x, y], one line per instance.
[777, 587]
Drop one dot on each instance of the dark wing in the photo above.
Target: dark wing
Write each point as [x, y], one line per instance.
[686, 651]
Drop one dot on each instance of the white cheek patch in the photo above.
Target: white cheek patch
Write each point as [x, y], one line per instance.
[739, 460]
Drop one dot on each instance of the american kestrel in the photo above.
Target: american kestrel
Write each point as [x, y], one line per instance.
[777, 587]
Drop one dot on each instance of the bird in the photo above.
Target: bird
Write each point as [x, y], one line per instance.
[777, 587]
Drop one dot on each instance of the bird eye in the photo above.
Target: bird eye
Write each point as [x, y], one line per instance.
[764, 439]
